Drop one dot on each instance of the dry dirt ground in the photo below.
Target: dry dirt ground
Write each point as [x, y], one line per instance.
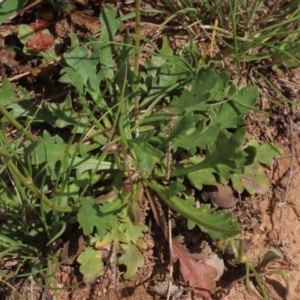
[269, 221]
[279, 228]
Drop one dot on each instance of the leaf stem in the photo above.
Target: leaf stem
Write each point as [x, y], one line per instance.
[28, 183]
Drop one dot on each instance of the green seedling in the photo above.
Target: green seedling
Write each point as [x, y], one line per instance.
[268, 257]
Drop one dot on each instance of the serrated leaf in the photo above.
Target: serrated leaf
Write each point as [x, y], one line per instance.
[66, 115]
[224, 156]
[229, 113]
[202, 90]
[91, 264]
[50, 149]
[180, 129]
[202, 177]
[103, 50]
[217, 224]
[132, 259]
[215, 218]
[148, 148]
[173, 189]
[91, 215]
[145, 154]
[200, 137]
[26, 108]
[267, 151]
[133, 231]
[81, 62]
[226, 152]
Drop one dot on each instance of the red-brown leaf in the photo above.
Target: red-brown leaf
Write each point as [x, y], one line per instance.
[39, 25]
[40, 41]
[198, 275]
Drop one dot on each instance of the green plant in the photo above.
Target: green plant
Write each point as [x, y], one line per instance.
[243, 37]
[157, 131]
[10, 7]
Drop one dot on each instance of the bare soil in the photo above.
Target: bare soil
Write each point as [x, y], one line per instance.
[269, 221]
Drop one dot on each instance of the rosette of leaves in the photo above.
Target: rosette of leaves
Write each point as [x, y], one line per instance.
[191, 131]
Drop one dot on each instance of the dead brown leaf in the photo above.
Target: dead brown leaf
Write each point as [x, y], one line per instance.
[86, 21]
[39, 25]
[40, 41]
[198, 275]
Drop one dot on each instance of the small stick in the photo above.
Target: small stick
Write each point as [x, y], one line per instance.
[168, 150]
[283, 203]
[213, 37]
[171, 255]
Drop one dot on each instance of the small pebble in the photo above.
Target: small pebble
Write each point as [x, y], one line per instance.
[273, 235]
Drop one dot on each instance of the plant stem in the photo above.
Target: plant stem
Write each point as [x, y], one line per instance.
[187, 212]
[15, 123]
[136, 57]
[28, 183]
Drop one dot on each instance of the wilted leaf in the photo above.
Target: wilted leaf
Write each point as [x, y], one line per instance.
[253, 178]
[270, 256]
[132, 259]
[40, 41]
[267, 151]
[39, 25]
[198, 275]
[133, 231]
[91, 264]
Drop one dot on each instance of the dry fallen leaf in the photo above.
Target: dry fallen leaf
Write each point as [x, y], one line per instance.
[40, 41]
[220, 195]
[198, 275]
[39, 25]
[86, 21]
